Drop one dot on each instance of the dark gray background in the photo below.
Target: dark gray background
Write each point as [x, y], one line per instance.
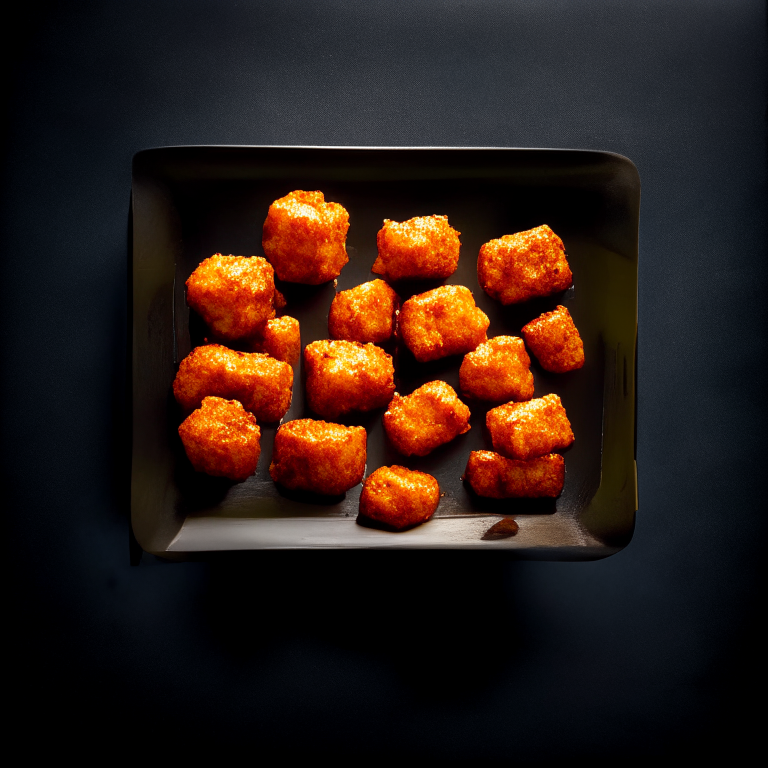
[651, 652]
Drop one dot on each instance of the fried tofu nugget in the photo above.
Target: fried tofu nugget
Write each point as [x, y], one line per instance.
[305, 238]
[555, 341]
[319, 457]
[222, 439]
[399, 497]
[496, 477]
[498, 370]
[426, 247]
[366, 313]
[262, 384]
[281, 339]
[526, 430]
[345, 376]
[430, 416]
[523, 266]
[442, 322]
[233, 294]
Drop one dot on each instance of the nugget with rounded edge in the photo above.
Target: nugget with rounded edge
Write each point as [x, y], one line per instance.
[425, 247]
[262, 384]
[281, 339]
[498, 370]
[522, 266]
[305, 238]
[222, 439]
[233, 294]
[345, 376]
[526, 430]
[555, 341]
[399, 497]
[366, 313]
[491, 475]
[430, 416]
[441, 322]
[318, 456]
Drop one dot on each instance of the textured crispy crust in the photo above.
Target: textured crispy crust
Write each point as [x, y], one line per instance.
[281, 339]
[366, 313]
[222, 439]
[430, 416]
[442, 322]
[344, 376]
[399, 497]
[526, 430]
[496, 477]
[305, 238]
[262, 384]
[555, 341]
[233, 294]
[317, 456]
[426, 247]
[523, 266]
[498, 370]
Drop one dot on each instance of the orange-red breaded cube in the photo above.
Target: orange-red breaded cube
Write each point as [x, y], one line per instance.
[366, 313]
[426, 247]
[399, 497]
[281, 339]
[262, 384]
[319, 457]
[222, 439]
[555, 341]
[526, 430]
[305, 238]
[345, 376]
[441, 322]
[430, 416]
[498, 370]
[233, 294]
[495, 477]
[522, 266]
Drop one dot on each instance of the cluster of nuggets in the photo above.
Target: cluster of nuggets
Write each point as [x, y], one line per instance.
[228, 391]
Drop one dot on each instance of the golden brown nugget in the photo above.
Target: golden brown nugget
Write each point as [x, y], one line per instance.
[366, 313]
[233, 294]
[305, 238]
[493, 476]
[222, 439]
[442, 322]
[555, 341]
[523, 266]
[281, 339]
[426, 247]
[317, 456]
[430, 416]
[399, 497]
[526, 430]
[345, 376]
[498, 370]
[262, 384]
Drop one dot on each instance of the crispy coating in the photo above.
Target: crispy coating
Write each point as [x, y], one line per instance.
[222, 439]
[526, 430]
[344, 376]
[426, 247]
[317, 456]
[262, 384]
[498, 370]
[523, 266]
[399, 497]
[233, 294]
[442, 322]
[281, 339]
[366, 313]
[496, 477]
[430, 416]
[555, 341]
[305, 238]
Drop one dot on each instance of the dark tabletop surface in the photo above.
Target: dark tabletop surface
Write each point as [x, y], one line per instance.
[648, 653]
